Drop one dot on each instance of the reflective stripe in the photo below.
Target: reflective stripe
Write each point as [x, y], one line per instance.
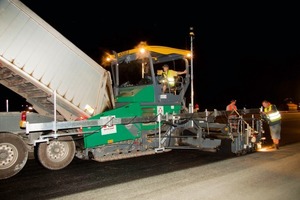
[274, 116]
[171, 81]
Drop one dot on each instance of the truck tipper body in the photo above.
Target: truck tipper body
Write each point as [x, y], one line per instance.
[88, 112]
[36, 60]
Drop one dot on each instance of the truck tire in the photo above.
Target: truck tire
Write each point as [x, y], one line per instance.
[13, 155]
[57, 154]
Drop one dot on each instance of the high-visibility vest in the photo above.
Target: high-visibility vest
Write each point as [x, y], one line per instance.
[272, 114]
[170, 77]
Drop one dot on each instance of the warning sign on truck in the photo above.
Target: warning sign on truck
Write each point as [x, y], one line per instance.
[108, 129]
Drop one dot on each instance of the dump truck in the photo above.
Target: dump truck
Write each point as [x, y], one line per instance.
[90, 112]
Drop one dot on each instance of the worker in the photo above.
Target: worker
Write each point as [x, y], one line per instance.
[168, 77]
[273, 118]
[233, 115]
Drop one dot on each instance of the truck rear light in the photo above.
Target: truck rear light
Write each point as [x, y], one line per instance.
[23, 119]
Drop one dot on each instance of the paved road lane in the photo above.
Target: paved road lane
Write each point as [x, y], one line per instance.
[262, 175]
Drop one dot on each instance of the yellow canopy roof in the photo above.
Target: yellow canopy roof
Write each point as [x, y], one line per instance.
[158, 53]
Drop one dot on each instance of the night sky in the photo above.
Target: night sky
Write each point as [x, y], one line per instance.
[248, 52]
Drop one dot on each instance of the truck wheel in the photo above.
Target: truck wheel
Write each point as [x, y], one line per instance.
[57, 154]
[13, 155]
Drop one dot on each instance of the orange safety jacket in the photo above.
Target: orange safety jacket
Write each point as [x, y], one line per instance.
[231, 107]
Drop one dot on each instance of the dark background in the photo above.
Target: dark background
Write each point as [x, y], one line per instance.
[243, 51]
